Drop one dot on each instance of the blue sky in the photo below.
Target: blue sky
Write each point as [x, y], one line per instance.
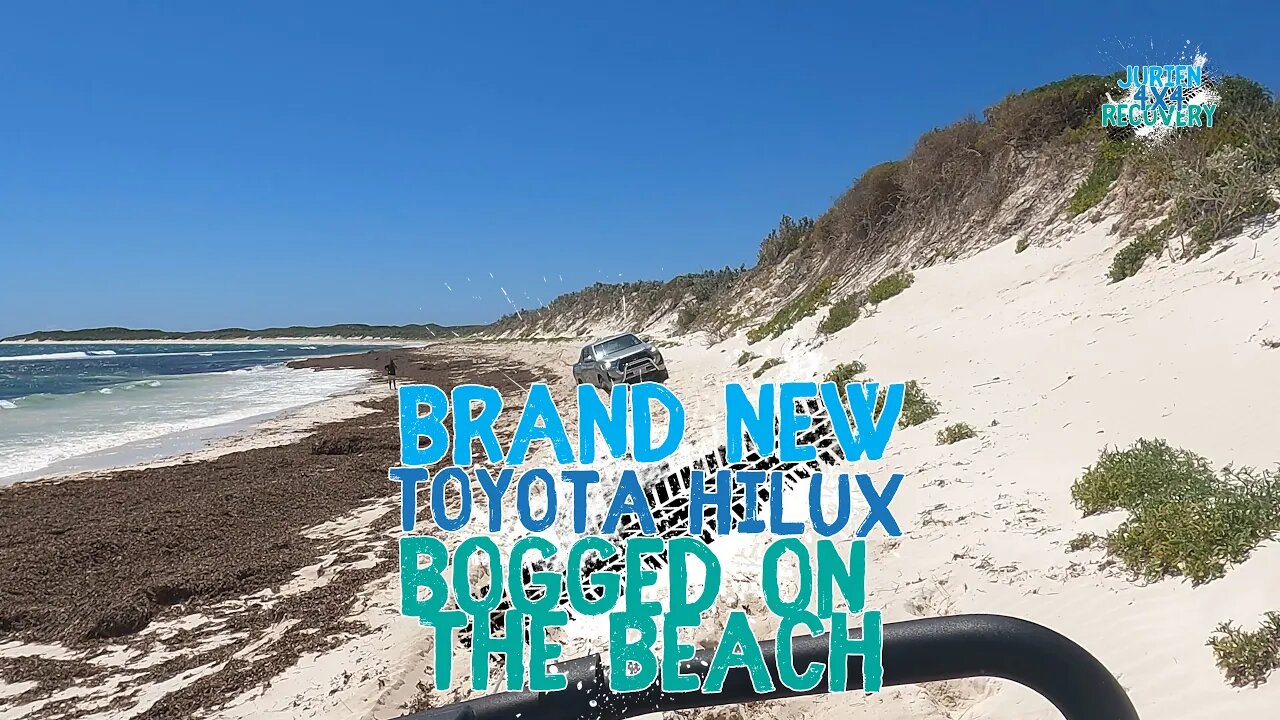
[194, 165]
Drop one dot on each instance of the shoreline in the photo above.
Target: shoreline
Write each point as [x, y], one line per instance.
[207, 552]
[200, 444]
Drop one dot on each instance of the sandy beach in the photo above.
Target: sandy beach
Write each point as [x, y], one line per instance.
[260, 581]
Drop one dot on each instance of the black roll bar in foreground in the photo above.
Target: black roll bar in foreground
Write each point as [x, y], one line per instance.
[915, 651]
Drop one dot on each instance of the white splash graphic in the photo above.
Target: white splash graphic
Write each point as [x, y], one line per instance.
[1201, 95]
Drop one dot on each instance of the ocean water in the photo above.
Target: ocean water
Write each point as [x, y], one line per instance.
[69, 407]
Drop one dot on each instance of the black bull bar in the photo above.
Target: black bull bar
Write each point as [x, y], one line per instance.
[915, 651]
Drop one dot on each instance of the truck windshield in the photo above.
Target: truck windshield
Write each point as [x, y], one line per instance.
[609, 347]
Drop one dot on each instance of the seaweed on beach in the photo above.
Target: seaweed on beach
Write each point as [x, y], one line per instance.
[94, 561]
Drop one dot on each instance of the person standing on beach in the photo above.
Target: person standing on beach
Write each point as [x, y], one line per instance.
[391, 374]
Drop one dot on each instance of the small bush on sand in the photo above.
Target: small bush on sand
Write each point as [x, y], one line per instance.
[1023, 244]
[845, 373]
[888, 286]
[764, 366]
[1247, 656]
[956, 432]
[1184, 519]
[1082, 541]
[917, 406]
[1138, 476]
[842, 314]
[1271, 344]
[792, 313]
[1147, 244]
[746, 357]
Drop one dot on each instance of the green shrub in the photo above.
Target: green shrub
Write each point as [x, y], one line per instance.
[1247, 656]
[1143, 473]
[1037, 115]
[1214, 201]
[746, 357]
[1082, 541]
[1184, 519]
[1106, 170]
[792, 313]
[1023, 244]
[764, 366]
[865, 206]
[845, 373]
[842, 314]
[917, 406]
[889, 286]
[783, 240]
[956, 432]
[1149, 243]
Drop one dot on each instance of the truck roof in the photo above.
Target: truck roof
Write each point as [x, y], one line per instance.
[614, 337]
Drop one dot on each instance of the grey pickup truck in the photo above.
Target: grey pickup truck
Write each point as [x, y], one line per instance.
[619, 359]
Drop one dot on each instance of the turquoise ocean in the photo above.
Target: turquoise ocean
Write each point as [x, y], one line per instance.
[71, 407]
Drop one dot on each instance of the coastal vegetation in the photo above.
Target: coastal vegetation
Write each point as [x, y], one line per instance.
[843, 313]
[845, 373]
[889, 286]
[1106, 170]
[1184, 519]
[1191, 190]
[917, 406]
[1247, 657]
[792, 313]
[1149, 243]
[766, 366]
[955, 432]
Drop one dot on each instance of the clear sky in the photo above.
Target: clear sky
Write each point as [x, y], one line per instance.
[193, 165]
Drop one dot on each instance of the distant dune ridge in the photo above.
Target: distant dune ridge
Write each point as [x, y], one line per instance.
[347, 330]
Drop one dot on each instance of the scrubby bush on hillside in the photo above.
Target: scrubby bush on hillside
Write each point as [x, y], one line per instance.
[1023, 244]
[842, 314]
[1149, 243]
[1214, 201]
[746, 357]
[889, 286]
[1106, 169]
[864, 207]
[781, 241]
[845, 373]
[642, 299]
[1033, 117]
[1184, 519]
[792, 313]
[917, 406]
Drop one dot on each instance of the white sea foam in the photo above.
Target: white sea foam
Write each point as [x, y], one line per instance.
[93, 354]
[40, 431]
